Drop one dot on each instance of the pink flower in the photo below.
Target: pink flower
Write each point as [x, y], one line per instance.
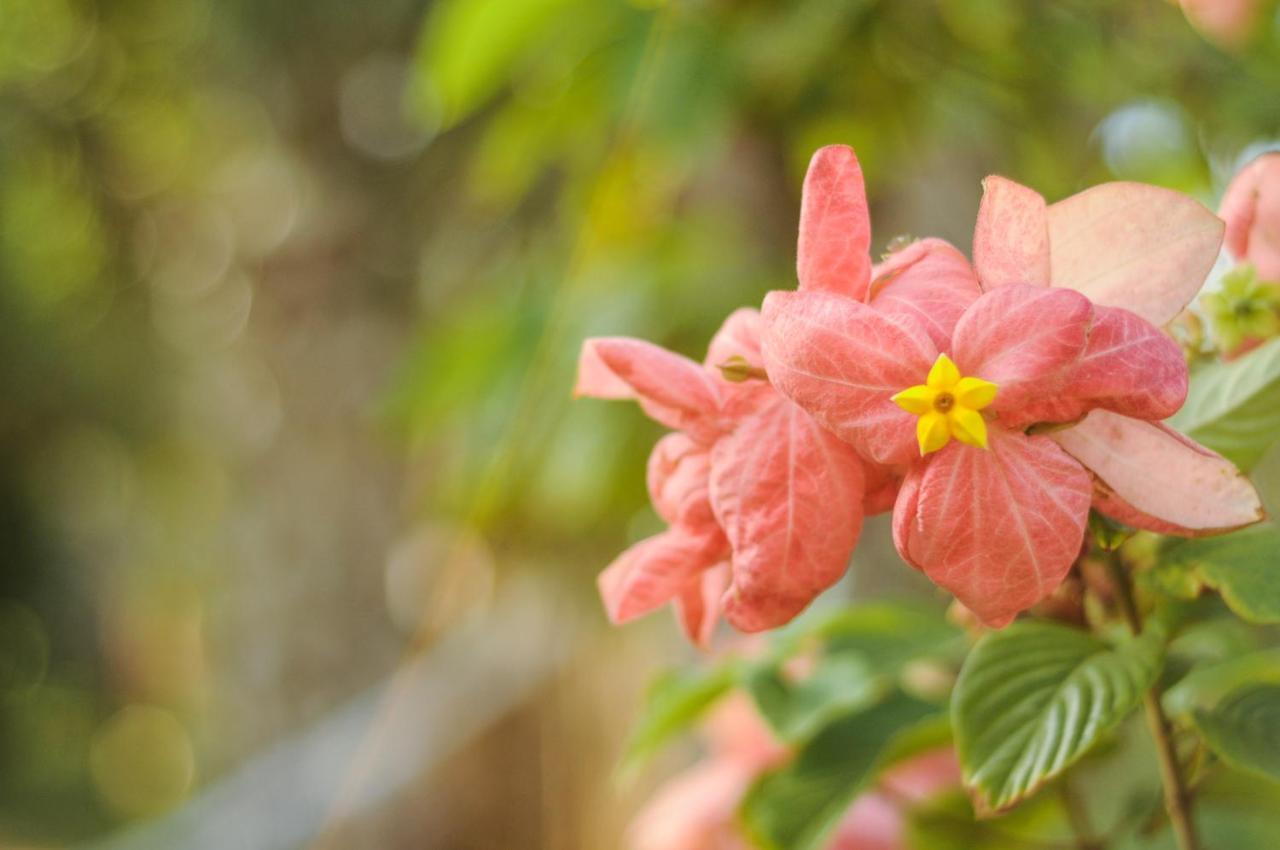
[1228, 23]
[764, 507]
[697, 810]
[1251, 208]
[942, 375]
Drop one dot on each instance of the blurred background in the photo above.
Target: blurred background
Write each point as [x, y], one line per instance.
[298, 525]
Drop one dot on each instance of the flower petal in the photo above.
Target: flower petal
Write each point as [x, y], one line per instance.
[999, 528]
[1024, 339]
[943, 374]
[833, 252]
[975, 393]
[930, 282]
[650, 573]
[698, 604]
[672, 389]
[1011, 238]
[968, 427]
[918, 399]
[1149, 476]
[1130, 245]
[1129, 366]
[842, 361]
[789, 496]
[933, 431]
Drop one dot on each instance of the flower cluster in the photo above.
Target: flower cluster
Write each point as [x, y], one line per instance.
[990, 405]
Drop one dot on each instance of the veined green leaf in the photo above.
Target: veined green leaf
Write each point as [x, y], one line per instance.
[1234, 408]
[797, 806]
[1244, 728]
[1035, 697]
[1243, 566]
[1235, 705]
[1208, 684]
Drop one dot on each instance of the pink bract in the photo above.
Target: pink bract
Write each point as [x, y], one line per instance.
[1251, 209]
[764, 507]
[999, 527]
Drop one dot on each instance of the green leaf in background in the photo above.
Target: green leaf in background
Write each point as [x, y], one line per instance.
[1243, 567]
[470, 49]
[888, 635]
[674, 703]
[797, 708]
[1035, 697]
[1208, 684]
[1234, 408]
[947, 822]
[1234, 811]
[1235, 705]
[1244, 729]
[797, 806]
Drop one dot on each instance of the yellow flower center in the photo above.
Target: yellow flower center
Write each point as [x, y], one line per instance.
[948, 404]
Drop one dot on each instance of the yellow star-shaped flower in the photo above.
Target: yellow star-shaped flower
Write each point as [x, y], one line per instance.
[948, 406]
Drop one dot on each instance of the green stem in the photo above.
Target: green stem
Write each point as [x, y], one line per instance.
[1177, 800]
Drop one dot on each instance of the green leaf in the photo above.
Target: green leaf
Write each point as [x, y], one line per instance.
[888, 635]
[796, 807]
[1233, 811]
[1035, 697]
[674, 703]
[1234, 408]
[796, 709]
[470, 48]
[1242, 566]
[1235, 705]
[1208, 684]
[1244, 729]
[947, 822]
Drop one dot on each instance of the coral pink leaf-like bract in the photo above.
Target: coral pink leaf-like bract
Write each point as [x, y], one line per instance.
[673, 390]
[842, 361]
[928, 281]
[789, 497]
[833, 252]
[698, 604]
[652, 572]
[998, 528]
[1024, 339]
[1128, 366]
